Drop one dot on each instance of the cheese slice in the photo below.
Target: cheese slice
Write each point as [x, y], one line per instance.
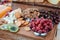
[4, 10]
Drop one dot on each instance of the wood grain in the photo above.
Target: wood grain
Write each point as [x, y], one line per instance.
[22, 34]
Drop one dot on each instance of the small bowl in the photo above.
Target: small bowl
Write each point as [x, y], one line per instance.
[40, 34]
[28, 19]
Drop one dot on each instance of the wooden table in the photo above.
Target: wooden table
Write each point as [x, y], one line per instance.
[26, 35]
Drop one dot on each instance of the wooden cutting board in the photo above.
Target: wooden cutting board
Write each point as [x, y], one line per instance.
[26, 35]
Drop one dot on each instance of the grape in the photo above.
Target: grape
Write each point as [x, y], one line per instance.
[37, 28]
[37, 22]
[33, 24]
[33, 28]
[44, 31]
[40, 31]
[53, 15]
[39, 25]
[32, 20]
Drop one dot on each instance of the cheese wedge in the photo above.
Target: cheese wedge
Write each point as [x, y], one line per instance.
[53, 1]
[4, 10]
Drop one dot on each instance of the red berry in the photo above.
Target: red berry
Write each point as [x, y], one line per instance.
[40, 31]
[45, 24]
[48, 22]
[33, 28]
[46, 28]
[44, 31]
[37, 22]
[33, 24]
[39, 25]
[37, 28]
[32, 20]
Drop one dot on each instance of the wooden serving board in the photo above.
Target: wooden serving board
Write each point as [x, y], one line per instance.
[26, 35]
[45, 3]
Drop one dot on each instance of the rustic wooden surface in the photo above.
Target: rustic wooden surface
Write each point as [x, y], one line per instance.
[24, 35]
[46, 3]
[24, 6]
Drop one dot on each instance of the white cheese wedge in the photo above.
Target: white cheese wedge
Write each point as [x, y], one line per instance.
[53, 1]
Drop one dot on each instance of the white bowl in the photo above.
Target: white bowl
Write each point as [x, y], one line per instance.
[40, 34]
